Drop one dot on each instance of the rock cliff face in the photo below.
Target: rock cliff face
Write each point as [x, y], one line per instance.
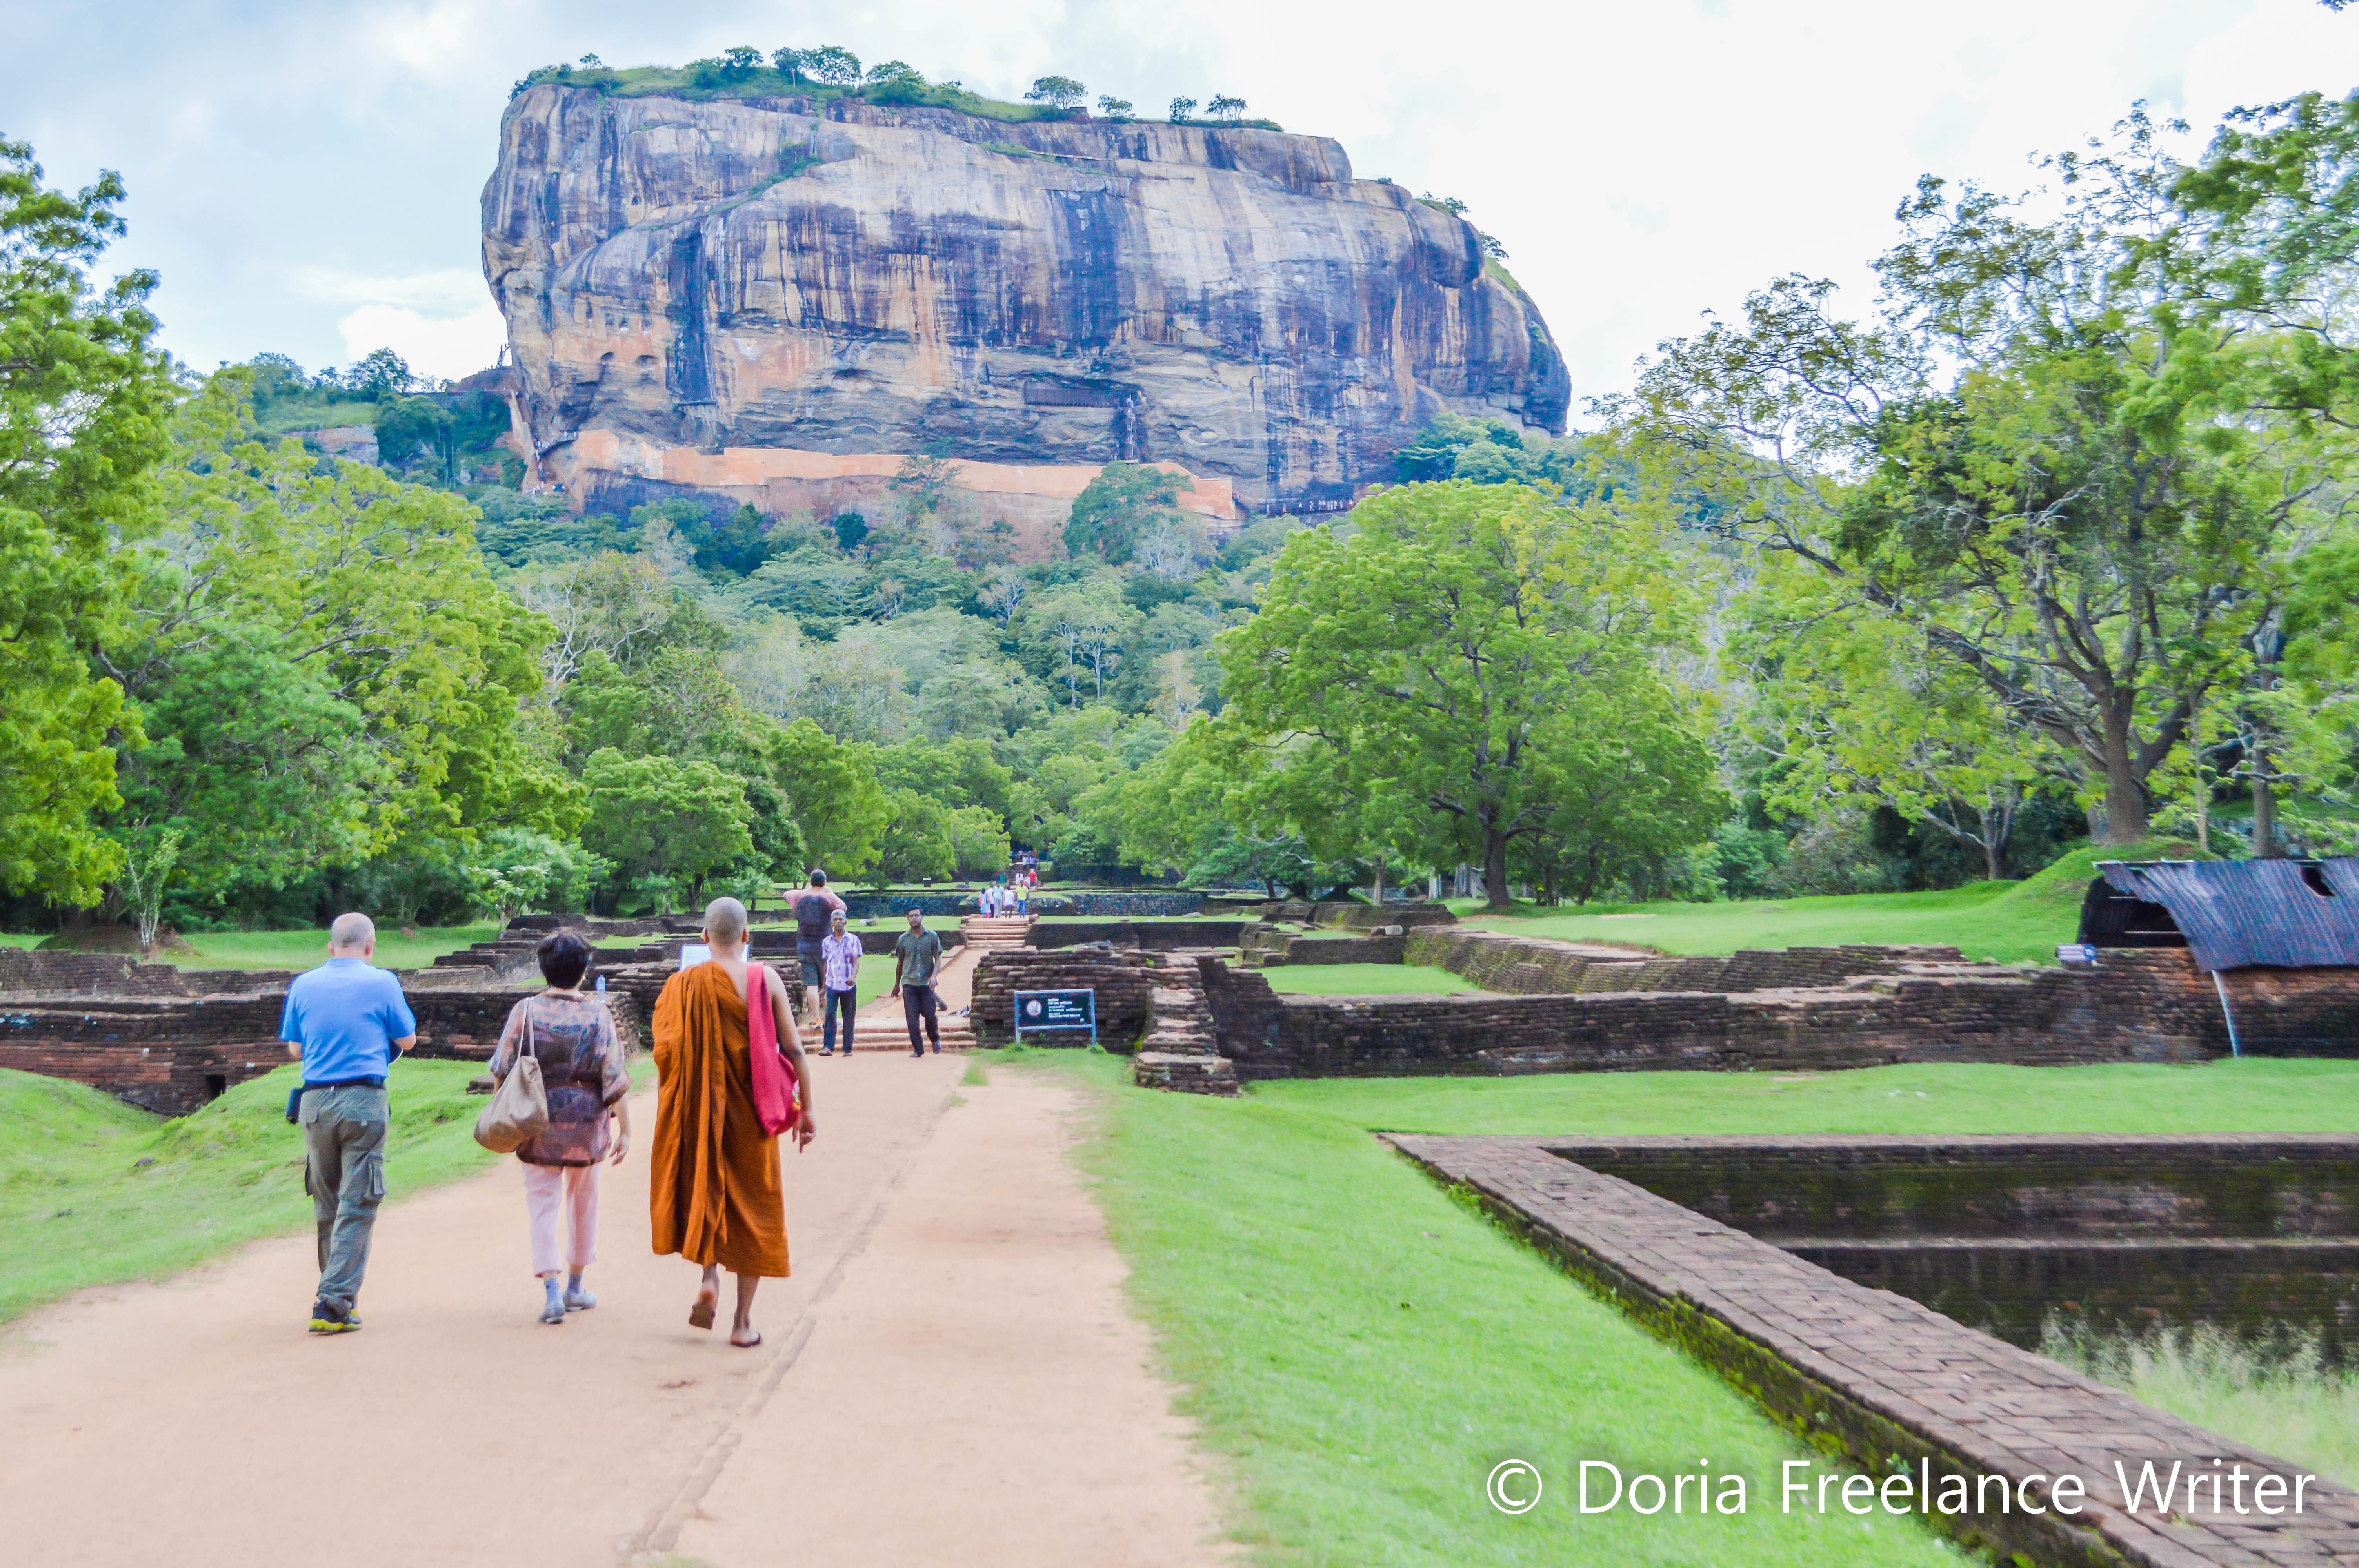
[777, 298]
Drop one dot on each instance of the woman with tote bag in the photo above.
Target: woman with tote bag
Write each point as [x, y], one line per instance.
[571, 1035]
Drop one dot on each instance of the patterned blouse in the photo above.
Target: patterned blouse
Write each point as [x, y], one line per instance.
[580, 1067]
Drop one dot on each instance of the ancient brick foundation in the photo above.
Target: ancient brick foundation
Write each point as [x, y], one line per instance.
[1897, 1388]
[2150, 1006]
[175, 1052]
[1146, 935]
[1124, 983]
[2250, 1232]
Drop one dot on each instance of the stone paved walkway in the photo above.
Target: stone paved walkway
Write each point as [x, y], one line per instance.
[1886, 1377]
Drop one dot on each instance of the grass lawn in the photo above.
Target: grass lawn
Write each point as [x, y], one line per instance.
[94, 1192]
[2294, 1407]
[1364, 1349]
[2252, 1095]
[2010, 922]
[1365, 980]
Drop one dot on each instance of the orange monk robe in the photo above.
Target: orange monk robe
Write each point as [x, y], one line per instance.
[714, 1193]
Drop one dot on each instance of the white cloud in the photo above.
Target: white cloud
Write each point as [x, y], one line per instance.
[447, 291]
[445, 346]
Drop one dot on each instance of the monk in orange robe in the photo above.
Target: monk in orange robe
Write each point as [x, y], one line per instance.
[714, 1193]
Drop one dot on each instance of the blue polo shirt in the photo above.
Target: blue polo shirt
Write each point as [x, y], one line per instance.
[346, 1015]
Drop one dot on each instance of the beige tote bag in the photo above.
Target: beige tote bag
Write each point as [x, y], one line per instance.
[519, 1108]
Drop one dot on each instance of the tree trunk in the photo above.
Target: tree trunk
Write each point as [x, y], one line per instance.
[1380, 882]
[1494, 868]
[1994, 856]
[2264, 809]
[2125, 807]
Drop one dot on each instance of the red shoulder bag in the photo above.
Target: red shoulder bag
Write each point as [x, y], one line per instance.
[774, 1080]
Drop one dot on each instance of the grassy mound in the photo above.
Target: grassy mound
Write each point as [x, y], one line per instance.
[2009, 922]
[94, 1192]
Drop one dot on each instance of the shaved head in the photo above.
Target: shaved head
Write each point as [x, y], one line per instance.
[355, 931]
[724, 920]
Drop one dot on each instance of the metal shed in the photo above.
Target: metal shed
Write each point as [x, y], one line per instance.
[2233, 914]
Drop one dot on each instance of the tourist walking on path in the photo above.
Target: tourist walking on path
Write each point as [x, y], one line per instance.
[346, 1022]
[915, 955]
[714, 1195]
[813, 907]
[840, 974]
[571, 1036]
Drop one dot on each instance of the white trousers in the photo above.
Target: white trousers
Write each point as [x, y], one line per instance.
[570, 1191]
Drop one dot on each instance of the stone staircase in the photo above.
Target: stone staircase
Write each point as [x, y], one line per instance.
[993, 933]
[1180, 1050]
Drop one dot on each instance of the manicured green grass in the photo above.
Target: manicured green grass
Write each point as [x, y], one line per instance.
[2010, 922]
[1364, 1349]
[2292, 1406]
[2247, 1095]
[309, 949]
[93, 1192]
[1365, 980]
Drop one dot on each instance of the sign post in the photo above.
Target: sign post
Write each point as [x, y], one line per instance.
[1038, 1013]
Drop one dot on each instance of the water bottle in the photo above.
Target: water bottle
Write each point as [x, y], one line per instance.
[602, 982]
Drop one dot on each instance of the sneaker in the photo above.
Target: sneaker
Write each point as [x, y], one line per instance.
[917, 1052]
[828, 1051]
[554, 1311]
[579, 1300]
[329, 1318]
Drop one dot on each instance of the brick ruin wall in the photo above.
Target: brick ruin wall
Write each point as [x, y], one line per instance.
[2254, 1233]
[1896, 1386]
[1124, 983]
[1146, 935]
[2150, 1006]
[1535, 967]
[172, 1051]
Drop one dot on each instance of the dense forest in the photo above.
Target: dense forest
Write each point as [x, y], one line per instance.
[2056, 543]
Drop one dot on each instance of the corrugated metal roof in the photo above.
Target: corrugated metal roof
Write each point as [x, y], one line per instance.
[2240, 914]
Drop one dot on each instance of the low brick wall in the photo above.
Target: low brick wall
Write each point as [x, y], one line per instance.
[173, 1055]
[1134, 905]
[2248, 1232]
[1270, 945]
[2142, 1006]
[1146, 936]
[1894, 1387]
[2111, 1187]
[1124, 983]
[1536, 966]
[1355, 916]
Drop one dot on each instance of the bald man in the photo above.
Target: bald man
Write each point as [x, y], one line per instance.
[346, 1022]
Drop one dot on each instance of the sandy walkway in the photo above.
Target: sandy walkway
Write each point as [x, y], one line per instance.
[949, 1378]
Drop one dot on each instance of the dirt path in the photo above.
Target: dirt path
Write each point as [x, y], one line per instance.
[950, 1376]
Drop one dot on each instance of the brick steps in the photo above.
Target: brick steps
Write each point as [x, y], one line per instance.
[1180, 1049]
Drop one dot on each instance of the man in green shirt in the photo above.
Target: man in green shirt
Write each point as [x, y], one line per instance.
[916, 957]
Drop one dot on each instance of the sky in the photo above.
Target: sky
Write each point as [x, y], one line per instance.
[304, 176]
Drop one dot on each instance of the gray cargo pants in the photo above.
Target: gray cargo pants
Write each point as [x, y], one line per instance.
[344, 1170]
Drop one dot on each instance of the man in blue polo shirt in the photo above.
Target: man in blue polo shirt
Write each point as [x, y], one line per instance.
[347, 1022]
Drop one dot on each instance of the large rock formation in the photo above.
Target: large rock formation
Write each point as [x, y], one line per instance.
[778, 298]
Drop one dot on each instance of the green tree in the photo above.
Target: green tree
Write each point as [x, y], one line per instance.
[2040, 460]
[834, 66]
[1450, 653]
[833, 790]
[654, 815]
[363, 594]
[1061, 93]
[1116, 109]
[1182, 110]
[1119, 507]
[83, 404]
[916, 844]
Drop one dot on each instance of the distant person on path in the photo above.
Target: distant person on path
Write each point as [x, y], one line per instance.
[988, 903]
[346, 1022]
[840, 973]
[572, 1037]
[915, 955]
[1023, 898]
[814, 907]
[714, 1195]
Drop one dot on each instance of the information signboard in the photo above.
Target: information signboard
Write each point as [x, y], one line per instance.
[1039, 1011]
